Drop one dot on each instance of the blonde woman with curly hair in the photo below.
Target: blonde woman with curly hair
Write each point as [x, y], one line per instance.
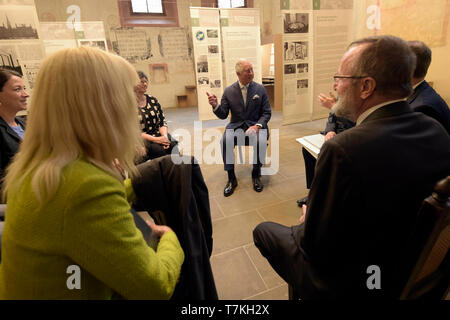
[69, 233]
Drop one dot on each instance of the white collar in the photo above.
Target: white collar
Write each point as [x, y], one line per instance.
[417, 84]
[366, 113]
[242, 86]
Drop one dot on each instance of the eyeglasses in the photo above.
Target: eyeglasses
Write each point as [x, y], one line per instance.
[339, 76]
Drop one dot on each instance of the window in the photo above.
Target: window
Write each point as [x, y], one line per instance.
[148, 13]
[231, 3]
[227, 3]
[147, 6]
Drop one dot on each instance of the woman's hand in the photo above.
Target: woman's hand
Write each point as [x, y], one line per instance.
[164, 141]
[158, 230]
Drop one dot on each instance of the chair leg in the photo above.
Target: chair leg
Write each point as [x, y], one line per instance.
[241, 160]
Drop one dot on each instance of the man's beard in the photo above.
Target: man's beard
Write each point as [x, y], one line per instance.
[343, 106]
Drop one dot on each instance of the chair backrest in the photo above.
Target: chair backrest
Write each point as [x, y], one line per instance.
[430, 276]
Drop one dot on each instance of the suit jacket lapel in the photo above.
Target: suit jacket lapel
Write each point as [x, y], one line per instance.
[237, 87]
[249, 94]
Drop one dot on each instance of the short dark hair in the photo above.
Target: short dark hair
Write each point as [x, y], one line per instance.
[142, 75]
[5, 75]
[389, 61]
[423, 55]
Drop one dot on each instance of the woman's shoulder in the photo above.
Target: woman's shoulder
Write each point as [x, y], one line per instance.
[151, 99]
[82, 171]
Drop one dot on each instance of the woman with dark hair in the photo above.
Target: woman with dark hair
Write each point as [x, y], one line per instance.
[157, 140]
[13, 98]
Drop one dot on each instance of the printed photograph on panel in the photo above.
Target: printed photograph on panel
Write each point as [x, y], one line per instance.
[215, 83]
[212, 33]
[289, 68]
[302, 68]
[9, 59]
[302, 84]
[213, 49]
[202, 64]
[301, 50]
[289, 51]
[99, 44]
[203, 80]
[296, 23]
[17, 24]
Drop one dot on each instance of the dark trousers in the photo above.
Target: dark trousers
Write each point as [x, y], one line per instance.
[231, 138]
[310, 166]
[277, 244]
[156, 150]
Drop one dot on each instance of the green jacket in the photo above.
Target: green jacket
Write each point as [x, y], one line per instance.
[87, 224]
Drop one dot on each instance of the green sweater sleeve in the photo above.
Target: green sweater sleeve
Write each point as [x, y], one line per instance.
[100, 236]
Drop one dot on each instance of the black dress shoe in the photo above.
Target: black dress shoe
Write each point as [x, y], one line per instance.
[229, 188]
[302, 201]
[257, 185]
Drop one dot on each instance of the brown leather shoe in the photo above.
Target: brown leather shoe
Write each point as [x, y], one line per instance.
[229, 188]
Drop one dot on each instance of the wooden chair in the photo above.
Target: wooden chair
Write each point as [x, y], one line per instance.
[430, 277]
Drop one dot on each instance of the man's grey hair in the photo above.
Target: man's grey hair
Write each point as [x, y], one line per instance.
[389, 61]
[240, 65]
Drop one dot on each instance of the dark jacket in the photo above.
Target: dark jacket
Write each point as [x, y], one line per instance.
[337, 124]
[426, 100]
[256, 110]
[370, 181]
[9, 143]
[180, 193]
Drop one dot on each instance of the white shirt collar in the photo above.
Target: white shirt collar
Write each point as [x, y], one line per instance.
[369, 111]
[417, 84]
[242, 86]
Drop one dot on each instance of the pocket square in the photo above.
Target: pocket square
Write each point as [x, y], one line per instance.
[255, 97]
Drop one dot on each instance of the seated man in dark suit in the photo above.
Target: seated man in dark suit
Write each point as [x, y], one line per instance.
[424, 98]
[250, 112]
[334, 126]
[369, 183]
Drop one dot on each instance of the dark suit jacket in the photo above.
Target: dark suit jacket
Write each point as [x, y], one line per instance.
[180, 192]
[9, 143]
[257, 109]
[370, 181]
[426, 100]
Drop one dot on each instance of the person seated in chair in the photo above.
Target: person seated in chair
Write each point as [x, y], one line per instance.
[250, 110]
[13, 98]
[69, 233]
[369, 183]
[158, 142]
[424, 98]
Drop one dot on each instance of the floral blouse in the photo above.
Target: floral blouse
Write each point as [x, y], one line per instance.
[151, 117]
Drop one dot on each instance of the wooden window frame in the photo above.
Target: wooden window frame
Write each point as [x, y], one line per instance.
[167, 19]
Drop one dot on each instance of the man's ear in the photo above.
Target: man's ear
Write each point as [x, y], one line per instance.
[368, 86]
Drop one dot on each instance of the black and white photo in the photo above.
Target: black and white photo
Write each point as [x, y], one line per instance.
[289, 68]
[17, 24]
[296, 23]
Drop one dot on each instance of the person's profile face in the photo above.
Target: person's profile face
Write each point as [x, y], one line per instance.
[13, 95]
[142, 86]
